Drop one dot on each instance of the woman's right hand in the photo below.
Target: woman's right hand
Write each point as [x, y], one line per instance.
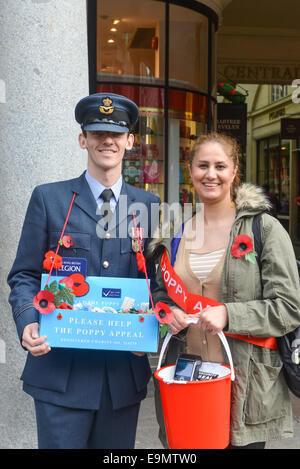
[180, 321]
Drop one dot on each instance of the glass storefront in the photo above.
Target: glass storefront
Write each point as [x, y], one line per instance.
[273, 174]
[162, 56]
[130, 41]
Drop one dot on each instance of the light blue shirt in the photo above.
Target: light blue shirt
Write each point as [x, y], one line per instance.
[97, 188]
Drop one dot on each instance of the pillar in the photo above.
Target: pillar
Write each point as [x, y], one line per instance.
[44, 72]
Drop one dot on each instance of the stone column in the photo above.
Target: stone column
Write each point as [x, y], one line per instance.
[44, 72]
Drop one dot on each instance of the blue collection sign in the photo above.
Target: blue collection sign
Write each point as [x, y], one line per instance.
[97, 320]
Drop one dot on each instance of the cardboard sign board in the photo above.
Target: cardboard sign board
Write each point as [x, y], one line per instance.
[99, 319]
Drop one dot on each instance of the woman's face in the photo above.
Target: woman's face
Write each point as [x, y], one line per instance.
[212, 172]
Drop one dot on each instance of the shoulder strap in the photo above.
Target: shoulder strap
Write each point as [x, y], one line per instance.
[175, 243]
[257, 237]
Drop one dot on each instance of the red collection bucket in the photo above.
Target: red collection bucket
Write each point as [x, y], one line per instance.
[196, 414]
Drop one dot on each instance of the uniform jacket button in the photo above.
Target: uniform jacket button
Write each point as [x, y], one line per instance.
[105, 264]
[107, 236]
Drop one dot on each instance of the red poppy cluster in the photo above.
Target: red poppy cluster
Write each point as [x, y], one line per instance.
[52, 258]
[80, 286]
[66, 282]
[46, 301]
[75, 283]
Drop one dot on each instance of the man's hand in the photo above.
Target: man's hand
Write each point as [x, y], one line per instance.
[33, 342]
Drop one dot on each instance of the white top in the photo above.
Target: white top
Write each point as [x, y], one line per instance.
[203, 264]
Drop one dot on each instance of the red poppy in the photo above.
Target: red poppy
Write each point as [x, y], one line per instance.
[141, 262]
[59, 316]
[66, 282]
[67, 241]
[297, 200]
[80, 286]
[141, 318]
[163, 313]
[51, 258]
[65, 305]
[242, 245]
[43, 302]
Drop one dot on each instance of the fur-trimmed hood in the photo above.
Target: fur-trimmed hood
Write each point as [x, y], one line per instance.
[252, 198]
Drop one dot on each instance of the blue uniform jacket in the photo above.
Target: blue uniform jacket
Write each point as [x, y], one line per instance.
[70, 377]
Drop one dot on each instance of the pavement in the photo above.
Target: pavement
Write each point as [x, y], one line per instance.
[147, 430]
[18, 427]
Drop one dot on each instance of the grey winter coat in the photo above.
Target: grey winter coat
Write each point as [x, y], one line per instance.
[264, 307]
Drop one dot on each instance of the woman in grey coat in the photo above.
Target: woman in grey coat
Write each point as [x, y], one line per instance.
[260, 304]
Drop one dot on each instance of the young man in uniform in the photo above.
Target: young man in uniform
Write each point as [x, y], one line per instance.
[84, 398]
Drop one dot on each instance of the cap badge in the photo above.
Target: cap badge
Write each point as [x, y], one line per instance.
[106, 107]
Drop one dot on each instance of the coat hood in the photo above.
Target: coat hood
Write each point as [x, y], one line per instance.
[251, 198]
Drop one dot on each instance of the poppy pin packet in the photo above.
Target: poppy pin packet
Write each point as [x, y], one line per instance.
[104, 313]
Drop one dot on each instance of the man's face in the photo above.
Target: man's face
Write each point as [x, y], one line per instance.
[105, 149]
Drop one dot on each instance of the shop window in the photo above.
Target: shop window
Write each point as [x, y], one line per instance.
[144, 165]
[187, 120]
[278, 92]
[134, 59]
[213, 77]
[273, 174]
[188, 38]
[130, 40]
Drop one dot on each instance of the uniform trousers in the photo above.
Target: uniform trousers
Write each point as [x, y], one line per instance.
[67, 428]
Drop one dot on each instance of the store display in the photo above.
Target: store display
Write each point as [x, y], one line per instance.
[131, 171]
[143, 166]
[188, 130]
[151, 172]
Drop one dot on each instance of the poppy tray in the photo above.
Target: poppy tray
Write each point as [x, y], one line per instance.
[108, 313]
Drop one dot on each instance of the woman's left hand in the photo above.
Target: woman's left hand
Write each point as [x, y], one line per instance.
[213, 319]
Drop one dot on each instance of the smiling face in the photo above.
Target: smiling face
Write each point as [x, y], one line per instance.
[105, 150]
[212, 172]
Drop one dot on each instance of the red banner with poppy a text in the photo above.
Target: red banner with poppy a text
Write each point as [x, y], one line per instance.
[191, 303]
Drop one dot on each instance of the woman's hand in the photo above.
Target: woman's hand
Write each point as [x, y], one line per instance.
[179, 323]
[213, 319]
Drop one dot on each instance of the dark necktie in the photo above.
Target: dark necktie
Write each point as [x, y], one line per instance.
[106, 195]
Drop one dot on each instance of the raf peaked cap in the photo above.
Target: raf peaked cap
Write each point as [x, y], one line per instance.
[106, 112]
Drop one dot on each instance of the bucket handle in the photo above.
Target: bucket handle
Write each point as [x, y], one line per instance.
[221, 336]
